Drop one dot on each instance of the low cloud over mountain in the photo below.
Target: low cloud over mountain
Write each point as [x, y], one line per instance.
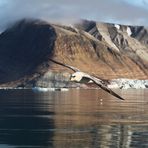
[68, 11]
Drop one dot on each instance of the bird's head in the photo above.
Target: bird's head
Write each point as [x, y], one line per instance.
[76, 77]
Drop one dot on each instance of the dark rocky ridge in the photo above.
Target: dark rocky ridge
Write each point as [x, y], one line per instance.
[97, 48]
[141, 34]
[24, 48]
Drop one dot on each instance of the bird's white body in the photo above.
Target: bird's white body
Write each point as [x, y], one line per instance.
[78, 76]
[83, 77]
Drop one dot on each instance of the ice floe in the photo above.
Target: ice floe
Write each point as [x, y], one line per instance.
[128, 83]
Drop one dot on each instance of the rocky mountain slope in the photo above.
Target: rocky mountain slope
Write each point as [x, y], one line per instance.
[107, 50]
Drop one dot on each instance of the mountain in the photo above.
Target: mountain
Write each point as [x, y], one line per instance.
[107, 50]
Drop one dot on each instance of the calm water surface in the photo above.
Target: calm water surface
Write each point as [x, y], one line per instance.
[73, 119]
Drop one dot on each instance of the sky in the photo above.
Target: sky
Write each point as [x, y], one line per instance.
[130, 12]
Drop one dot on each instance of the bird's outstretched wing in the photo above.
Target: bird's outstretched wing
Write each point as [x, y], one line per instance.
[98, 82]
[65, 65]
[104, 81]
[101, 85]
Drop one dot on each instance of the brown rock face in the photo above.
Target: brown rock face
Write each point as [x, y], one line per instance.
[103, 50]
[106, 50]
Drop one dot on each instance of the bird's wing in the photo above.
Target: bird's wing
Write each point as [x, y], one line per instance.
[94, 79]
[101, 85]
[104, 81]
[65, 65]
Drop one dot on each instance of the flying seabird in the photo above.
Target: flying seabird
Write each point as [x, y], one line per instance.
[81, 77]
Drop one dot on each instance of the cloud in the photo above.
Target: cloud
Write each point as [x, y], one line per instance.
[67, 11]
[145, 2]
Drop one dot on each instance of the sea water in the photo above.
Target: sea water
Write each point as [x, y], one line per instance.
[78, 118]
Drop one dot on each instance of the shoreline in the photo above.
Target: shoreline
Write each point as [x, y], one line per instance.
[113, 84]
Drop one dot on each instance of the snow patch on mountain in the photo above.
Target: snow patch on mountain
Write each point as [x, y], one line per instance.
[129, 32]
[117, 26]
